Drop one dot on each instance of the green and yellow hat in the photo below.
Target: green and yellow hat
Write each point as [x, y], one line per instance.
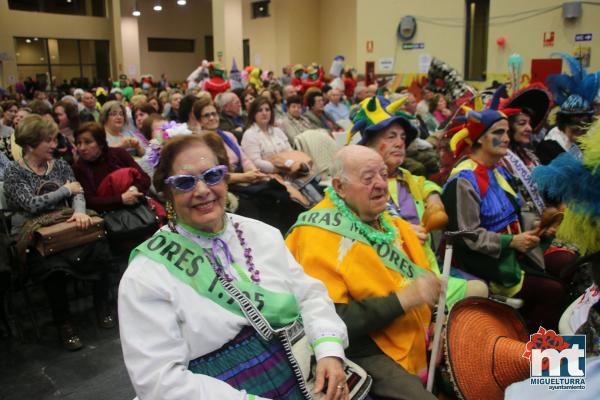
[376, 114]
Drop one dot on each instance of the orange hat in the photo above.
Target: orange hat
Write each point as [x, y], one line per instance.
[485, 341]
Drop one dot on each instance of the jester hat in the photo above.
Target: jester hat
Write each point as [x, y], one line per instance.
[476, 123]
[376, 113]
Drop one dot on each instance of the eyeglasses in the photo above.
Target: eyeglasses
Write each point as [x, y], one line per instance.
[187, 183]
[116, 114]
[210, 114]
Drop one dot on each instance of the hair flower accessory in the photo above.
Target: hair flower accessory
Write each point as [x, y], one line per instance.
[169, 130]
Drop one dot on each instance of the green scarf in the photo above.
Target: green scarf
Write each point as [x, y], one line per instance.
[333, 220]
[189, 263]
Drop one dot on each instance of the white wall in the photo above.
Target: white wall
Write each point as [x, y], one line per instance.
[193, 21]
[441, 27]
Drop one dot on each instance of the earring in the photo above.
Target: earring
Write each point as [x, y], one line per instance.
[171, 215]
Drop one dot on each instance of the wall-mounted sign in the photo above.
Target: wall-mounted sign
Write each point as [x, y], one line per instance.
[583, 54]
[413, 46]
[424, 62]
[131, 70]
[548, 39]
[583, 37]
[386, 64]
[5, 56]
[370, 46]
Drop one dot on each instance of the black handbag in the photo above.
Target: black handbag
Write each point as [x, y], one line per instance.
[130, 221]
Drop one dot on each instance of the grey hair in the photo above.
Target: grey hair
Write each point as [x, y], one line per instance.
[105, 110]
[223, 99]
[337, 168]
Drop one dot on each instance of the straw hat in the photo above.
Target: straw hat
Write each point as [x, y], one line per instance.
[485, 341]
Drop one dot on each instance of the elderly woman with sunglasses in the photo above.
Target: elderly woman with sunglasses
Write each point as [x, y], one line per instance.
[182, 333]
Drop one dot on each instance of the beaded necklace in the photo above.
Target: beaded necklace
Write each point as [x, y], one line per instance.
[373, 235]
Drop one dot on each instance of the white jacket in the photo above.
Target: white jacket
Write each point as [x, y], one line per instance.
[164, 323]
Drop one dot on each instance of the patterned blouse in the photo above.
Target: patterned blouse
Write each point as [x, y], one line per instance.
[29, 194]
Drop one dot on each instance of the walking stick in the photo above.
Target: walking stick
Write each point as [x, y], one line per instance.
[440, 315]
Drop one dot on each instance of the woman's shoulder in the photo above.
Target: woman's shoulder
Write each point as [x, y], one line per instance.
[252, 128]
[14, 170]
[120, 154]
[278, 131]
[144, 272]
[61, 164]
[255, 228]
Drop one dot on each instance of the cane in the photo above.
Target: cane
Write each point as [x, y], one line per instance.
[439, 319]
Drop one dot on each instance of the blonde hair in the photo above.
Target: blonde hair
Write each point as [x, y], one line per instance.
[33, 130]
[139, 99]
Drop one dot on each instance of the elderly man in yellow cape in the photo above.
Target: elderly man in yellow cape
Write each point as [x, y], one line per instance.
[388, 130]
[375, 271]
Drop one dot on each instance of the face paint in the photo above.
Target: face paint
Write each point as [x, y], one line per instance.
[382, 147]
[188, 167]
[496, 141]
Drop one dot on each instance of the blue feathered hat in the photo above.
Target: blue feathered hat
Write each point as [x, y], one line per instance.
[574, 93]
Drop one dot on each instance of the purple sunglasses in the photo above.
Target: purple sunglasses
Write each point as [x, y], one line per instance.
[187, 183]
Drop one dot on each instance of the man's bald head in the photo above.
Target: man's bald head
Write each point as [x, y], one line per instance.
[359, 177]
[349, 158]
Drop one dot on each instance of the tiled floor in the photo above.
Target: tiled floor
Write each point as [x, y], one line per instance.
[41, 369]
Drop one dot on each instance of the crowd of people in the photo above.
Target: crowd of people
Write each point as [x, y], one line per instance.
[307, 207]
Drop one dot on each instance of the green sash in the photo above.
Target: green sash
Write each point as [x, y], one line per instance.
[333, 220]
[189, 263]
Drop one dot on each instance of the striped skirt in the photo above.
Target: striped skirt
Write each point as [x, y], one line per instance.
[250, 363]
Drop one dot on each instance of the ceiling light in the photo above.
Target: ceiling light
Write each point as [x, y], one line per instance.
[35, 39]
[181, 2]
[157, 6]
[136, 10]
[27, 40]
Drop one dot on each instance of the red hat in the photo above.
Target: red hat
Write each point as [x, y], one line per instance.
[476, 123]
